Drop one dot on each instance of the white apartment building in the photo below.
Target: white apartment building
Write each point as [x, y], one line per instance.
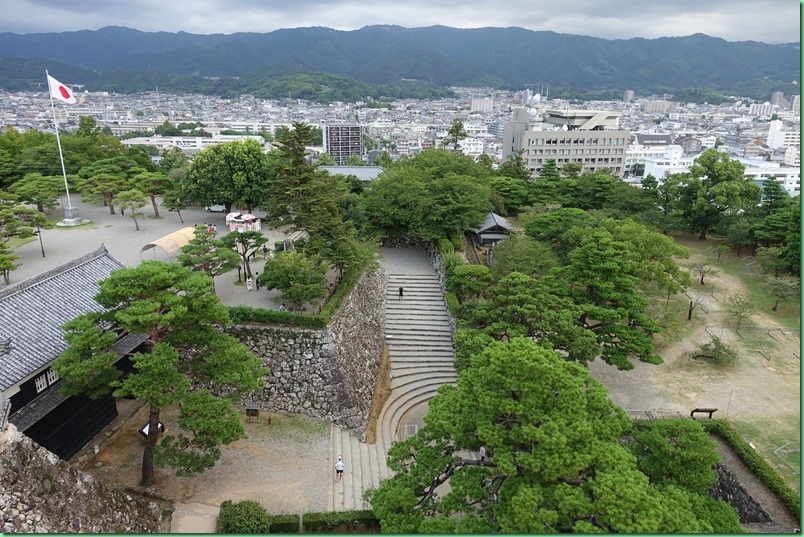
[637, 154]
[483, 105]
[757, 170]
[189, 144]
[472, 147]
[780, 138]
[792, 157]
[587, 137]
[765, 109]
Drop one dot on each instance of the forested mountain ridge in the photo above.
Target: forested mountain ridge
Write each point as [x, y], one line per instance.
[392, 55]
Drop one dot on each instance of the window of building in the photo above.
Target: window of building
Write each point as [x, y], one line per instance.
[52, 376]
[41, 383]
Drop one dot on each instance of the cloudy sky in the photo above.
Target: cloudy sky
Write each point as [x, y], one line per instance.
[769, 21]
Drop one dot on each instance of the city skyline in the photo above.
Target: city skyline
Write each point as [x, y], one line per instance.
[769, 21]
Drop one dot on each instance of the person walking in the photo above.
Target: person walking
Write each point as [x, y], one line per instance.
[339, 466]
[401, 293]
[249, 284]
[257, 280]
[264, 251]
[482, 453]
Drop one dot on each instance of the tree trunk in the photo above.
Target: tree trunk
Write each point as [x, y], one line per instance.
[739, 248]
[148, 478]
[702, 277]
[180, 217]
[156, 209]
[702, 236]
[689, 314]
[775, 305]
[136, 224]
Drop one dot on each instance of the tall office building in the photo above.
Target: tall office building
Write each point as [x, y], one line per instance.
[777, 98]
[590, 138]
[343, 141]
[795, 103]
[483, 105]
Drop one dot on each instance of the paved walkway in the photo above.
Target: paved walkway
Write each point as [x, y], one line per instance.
[419, 339]
[124, 242]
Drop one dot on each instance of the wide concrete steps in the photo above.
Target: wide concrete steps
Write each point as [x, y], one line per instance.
[421, 350]
[365, 467]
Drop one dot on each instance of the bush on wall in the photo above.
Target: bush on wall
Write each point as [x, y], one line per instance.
[246, 516]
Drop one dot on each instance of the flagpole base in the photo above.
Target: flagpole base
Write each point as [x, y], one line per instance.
[71, 218]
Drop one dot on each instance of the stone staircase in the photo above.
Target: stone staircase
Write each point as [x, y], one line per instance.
[419, 339]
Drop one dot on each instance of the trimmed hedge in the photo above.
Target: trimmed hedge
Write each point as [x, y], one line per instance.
[340, 520]
[758, 466]
[246, 516]
[284, 523]
[245, 314]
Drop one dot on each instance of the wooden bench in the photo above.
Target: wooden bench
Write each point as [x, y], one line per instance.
[709, 411]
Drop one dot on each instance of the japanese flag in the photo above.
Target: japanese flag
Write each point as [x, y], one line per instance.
[60, 91]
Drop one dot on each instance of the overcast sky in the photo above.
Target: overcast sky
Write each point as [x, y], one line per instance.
[769, 21]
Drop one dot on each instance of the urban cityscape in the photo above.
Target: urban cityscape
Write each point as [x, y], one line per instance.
[652, 136]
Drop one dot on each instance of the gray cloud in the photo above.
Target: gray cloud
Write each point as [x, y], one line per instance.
[771, 21]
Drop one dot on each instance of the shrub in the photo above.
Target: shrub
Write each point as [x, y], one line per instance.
[758, 466]
[445, 246]
[246, 516]
[279, 246]
[457, 242]
[450, 261]
[340, 520]
[284, 523]
[718, 352]
[453, 305]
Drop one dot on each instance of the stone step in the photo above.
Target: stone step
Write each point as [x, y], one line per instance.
[365, 468]
[401, 401]
[396, 277]
[413, 337]
[425, 376]
[397, 411]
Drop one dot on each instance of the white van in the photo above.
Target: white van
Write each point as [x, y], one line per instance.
[216, 208]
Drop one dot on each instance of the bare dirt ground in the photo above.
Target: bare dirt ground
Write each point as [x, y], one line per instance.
[284, 465]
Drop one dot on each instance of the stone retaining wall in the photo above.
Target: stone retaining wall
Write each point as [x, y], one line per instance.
[39, 493]
[326, 374]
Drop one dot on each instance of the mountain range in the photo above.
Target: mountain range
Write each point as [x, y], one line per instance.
[394, 58]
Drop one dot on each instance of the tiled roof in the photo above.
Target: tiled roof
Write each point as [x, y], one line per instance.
[33, 312]
[494, 220]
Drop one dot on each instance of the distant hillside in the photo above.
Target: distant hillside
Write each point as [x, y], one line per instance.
[391, 55]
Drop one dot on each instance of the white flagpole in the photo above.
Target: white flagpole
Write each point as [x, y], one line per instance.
[69, 212]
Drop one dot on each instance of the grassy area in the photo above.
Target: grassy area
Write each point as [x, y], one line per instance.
[765, 439]
[787, 314]
[286, 425]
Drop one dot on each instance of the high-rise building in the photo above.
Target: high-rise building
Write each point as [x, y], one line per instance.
[590, 138]
[795, 103]
[343, 141]
[777, 98]
[628, 96]
[483, 105]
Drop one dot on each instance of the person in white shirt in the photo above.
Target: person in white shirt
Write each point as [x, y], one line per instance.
[339, 466]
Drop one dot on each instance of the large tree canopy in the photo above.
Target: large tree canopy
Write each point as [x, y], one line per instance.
[234, 174]
[182, 319]
[556, 462]
[715, 187]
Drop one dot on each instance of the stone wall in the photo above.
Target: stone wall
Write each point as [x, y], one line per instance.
[39, 493]
[327, 374]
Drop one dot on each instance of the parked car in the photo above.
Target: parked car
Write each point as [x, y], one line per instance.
[216, 208]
